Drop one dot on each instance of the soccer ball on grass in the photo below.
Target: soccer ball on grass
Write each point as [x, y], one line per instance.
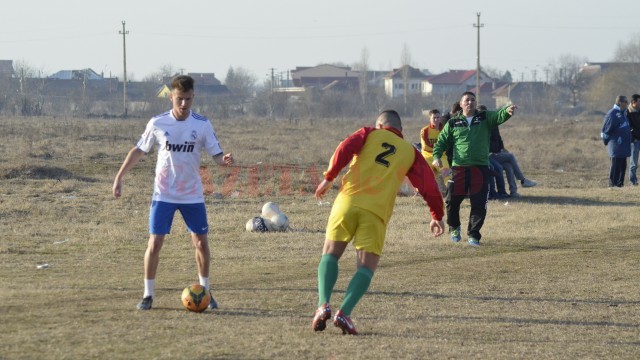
[195, 298]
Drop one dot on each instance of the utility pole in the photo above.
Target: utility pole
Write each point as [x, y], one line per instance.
[22, 81]
[124, 60]
[546, 75]
[478, 26]
[271, 96]
[272, 78]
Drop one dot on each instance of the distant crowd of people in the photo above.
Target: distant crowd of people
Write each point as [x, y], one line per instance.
[621, 134]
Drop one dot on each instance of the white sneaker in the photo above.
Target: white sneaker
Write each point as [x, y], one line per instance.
[528, 183]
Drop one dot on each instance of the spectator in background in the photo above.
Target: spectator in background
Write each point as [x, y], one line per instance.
[428, 137]
[616, 135]
[633, 115]
[497, 190]
[508, 161]
[455, 109]
[500, 159]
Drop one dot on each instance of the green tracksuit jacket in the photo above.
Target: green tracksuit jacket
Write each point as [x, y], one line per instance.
[470, 143]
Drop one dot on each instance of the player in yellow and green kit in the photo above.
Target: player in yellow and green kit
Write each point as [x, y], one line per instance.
[379, 160]
[428, 137]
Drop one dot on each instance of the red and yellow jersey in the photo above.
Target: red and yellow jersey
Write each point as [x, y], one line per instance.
[379, 161]
[429, 137]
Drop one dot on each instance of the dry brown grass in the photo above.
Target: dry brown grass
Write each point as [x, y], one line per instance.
[556, 276]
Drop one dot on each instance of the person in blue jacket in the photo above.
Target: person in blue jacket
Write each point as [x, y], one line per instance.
[616, 135]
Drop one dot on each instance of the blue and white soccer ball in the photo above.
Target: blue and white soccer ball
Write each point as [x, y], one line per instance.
[256, 224]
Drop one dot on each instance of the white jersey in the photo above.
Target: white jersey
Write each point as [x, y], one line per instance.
[179, 145]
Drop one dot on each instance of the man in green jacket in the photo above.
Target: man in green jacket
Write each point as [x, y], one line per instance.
[467, 133]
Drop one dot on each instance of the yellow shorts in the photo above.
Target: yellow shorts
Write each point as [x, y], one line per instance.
[349, 222]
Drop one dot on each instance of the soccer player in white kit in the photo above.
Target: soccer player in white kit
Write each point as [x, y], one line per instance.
[180, 135]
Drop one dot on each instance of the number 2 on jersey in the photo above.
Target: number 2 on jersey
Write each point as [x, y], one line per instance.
[381, 158]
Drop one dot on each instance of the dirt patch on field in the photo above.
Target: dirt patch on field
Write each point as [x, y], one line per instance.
[31, 172]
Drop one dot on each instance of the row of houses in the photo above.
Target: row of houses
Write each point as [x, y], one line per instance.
[88, 83]
[450, 84]
[415, 82]
[396, 83]
[322, 77]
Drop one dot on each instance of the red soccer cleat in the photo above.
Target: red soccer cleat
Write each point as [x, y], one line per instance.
[323, 313]
[344, 322]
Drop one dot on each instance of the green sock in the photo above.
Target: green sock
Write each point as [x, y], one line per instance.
[357, 287]
[327, 277]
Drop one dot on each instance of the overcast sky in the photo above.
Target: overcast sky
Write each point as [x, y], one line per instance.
[211, 36]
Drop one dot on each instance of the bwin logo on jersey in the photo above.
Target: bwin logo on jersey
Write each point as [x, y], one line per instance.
[186, 147]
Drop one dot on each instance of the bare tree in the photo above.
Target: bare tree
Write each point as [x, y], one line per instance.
[27, 98]
[405, 59]
[241, 84]
[605, 87]
[156, 77]
[629, 51]
[497, 74]
[363, 77]
[22, 70]
[148, 89]
[269, 103]
[565, 73]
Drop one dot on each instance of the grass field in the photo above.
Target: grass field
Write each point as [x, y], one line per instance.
[556, 275]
